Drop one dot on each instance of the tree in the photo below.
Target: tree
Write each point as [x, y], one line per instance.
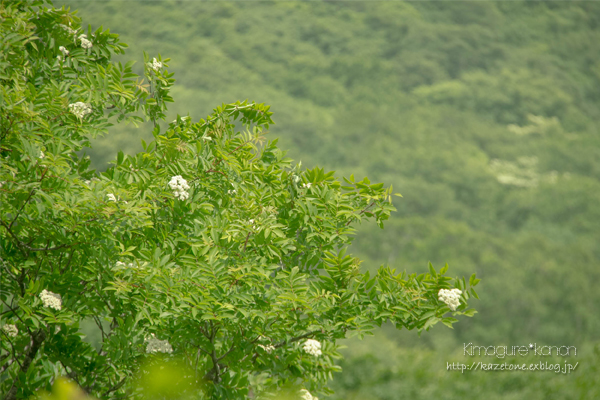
[210, 250]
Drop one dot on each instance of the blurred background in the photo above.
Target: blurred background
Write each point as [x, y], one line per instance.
[485, 116]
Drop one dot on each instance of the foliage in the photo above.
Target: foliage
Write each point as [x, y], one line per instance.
[442, 100]
[209, 247]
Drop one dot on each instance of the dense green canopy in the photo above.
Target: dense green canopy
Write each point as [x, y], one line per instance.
[485, 115]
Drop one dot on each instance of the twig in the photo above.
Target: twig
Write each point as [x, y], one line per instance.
[115, 387]
[214, 170]
[36, 342]
[362, 212]
[246, 242]
[292, 340]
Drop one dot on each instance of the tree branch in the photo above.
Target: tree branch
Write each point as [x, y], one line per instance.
[227, 352]
[36, 342]
[22, 245]
[297, 338]
[362, 212]
[115, 387]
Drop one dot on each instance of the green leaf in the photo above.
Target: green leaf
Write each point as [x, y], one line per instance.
[432, 270]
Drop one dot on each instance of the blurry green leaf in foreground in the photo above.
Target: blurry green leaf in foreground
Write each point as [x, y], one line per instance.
[170, 380]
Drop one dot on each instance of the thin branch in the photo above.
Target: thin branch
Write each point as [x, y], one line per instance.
[297, 338]
[246, 242]
[15, 358]
[22, 245]
[17, 315]
[73, 375]
[197, 360]
[62, 246]
[226, 353]
[14, 310]
[214, 170]
[362, 212]
[21, 209]
[36, 342]
[68, 263]
[241, 145]
[7, 365]
[115, 387]
[99, 323]
[201, 349]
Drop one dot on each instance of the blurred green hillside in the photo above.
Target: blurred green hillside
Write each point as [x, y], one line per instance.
[484, 115]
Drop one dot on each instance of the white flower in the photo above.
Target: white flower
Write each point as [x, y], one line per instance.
[112, 197]
[155, 345]
[450, 297]
[86, 44]
[42, 155]
[306, 185]
[80, 109]
[156, 65]
[312, 347]
[68, 29]
[232, 192]
[268, 348]
[51, 300]
[179, 186]
[120, 264]
[10, 330]
[63, 50]
[305, 394]
[59, 58]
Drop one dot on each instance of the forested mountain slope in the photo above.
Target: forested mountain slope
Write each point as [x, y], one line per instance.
[484, 115]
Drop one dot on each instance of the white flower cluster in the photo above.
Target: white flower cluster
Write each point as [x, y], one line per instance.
[10, 330]
[155, 345]
[64, 52]
[51, 300]
[450, 297]
[112, 197]
[312, 347]
[179, 187]
[85, 43]
[88, 182]
[42, 155]
[251, 222]
[306, 185]
[80, 109]
[68, 29]
[305, 395]
[232, 192]
[268, 348]
[156, 65]
[120, 264]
